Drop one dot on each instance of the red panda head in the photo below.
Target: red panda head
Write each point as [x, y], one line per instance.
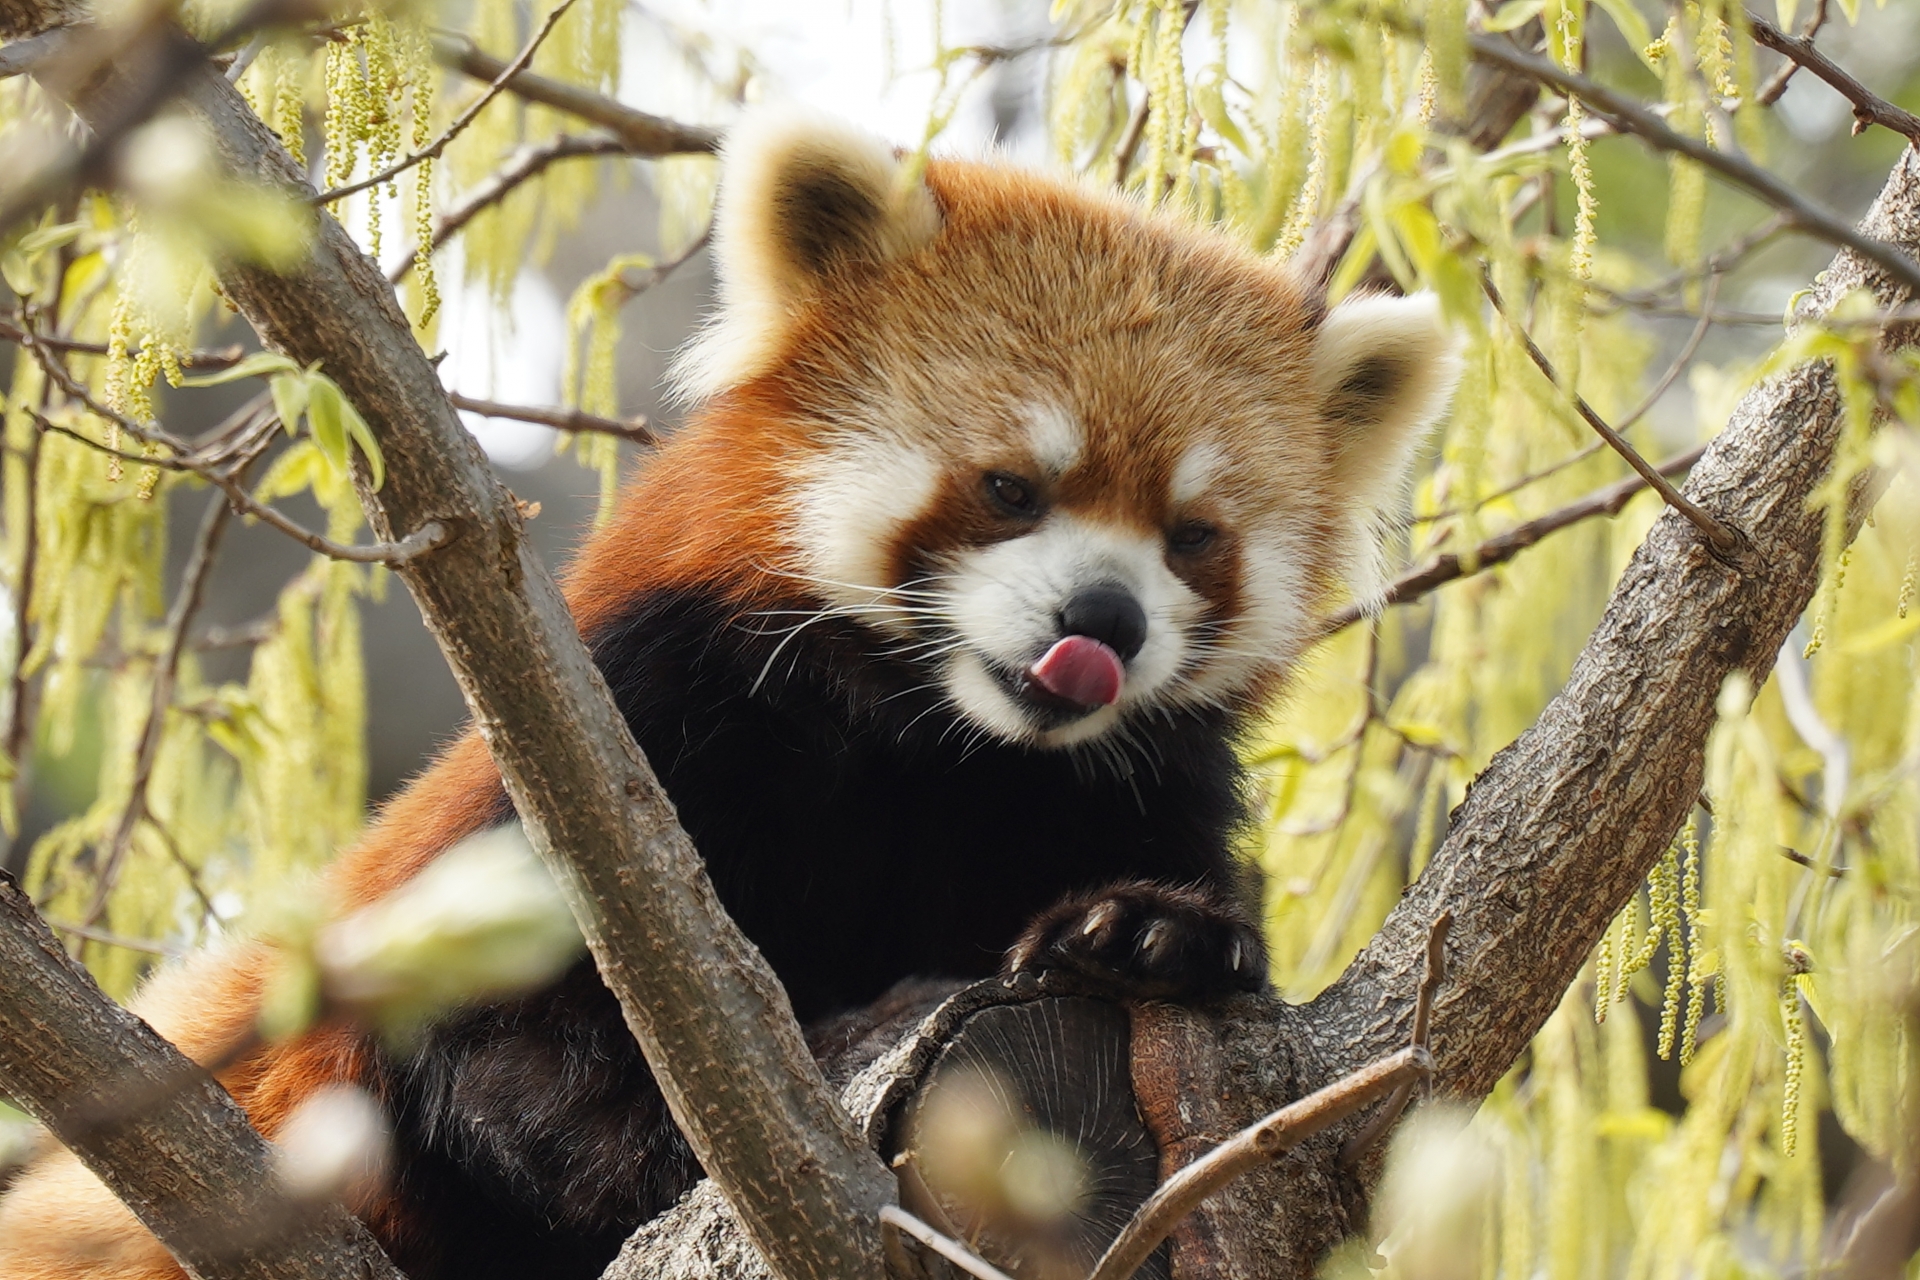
[1079, 462]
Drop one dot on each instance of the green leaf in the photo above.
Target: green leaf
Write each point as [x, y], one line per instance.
[1213, 109]
[258, 365]
[289, 399]
[18, 273]
[1354, 265]
[362, 435]
[326, 419]
[41, 239]
[1380, 218]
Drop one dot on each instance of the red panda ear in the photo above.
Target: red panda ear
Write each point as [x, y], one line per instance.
[801, 197]
[1384, 368]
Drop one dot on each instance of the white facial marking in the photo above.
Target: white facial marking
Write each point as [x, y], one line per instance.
[1055, 438]
[1005, 600]
[1272, 626]
[850, 504]
[1198, 468]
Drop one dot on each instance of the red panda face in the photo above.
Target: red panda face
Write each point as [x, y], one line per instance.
[1077, 464]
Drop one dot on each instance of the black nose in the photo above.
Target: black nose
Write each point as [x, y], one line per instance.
[1108, 614]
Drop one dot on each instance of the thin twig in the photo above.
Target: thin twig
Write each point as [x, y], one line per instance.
[1723, 260]
[525, 164]
[92, 934]
[218, 358]
[1526, 481]
[1681, 361]
[433, 149]
[259, 631]
[1503, 547]
[193, 589]
[394, 554]
[1770, 91]
[1383, 1121]
[1723, 539]
[946, 1246]
[1869, 108]
[644, 134]
[1130, 140]
[1647, 402]
[635, 429]
[1792, 854]
[657, 274]
[1629, 116]
[1252, 1147]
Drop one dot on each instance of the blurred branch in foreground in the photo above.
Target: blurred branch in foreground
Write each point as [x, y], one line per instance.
[155, 1127]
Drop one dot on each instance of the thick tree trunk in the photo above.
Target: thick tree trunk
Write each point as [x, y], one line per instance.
[1552, 840]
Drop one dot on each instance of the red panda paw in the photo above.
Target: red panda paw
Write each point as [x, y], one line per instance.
[1148, 940]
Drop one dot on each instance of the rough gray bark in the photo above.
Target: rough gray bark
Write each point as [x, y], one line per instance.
[714, 1023]
[169, 1141]
[1554, 837]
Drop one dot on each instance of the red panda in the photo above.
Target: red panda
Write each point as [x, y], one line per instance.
[1008, 502]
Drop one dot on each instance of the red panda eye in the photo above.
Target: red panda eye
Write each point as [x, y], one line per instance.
[1191, 537]
[1012, 495]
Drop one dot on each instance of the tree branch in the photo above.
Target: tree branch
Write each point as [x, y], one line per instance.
[1869, 108]
[522, 166]
[1629, 116]
[713, 1021]
[1724, 540]
[642, 133]
[219, 358]
[635, 429]
[1776, 85]
[185, 1160]
[1502, 547]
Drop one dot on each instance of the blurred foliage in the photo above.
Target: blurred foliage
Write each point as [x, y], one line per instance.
[1664, 1121]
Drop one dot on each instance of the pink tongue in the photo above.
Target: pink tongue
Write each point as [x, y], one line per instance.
[1081, 670]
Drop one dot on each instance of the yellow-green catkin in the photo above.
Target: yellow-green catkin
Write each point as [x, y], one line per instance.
[1603, 976]
[349, 107]
[1795, 1027]
[1586, 203]
[1570, 314]
[1906, 585]
[1837, 580]
[587, 378]
[414, 55]
[1673, 907]
[290, 103]
[1319, 140]
[1690, 910]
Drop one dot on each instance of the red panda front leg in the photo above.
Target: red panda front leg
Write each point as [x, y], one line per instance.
[1148, 940]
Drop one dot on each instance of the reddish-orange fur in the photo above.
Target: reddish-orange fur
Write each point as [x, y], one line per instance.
[1155, 334]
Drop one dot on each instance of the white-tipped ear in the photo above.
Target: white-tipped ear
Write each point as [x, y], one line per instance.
[802, 196]
[1384, 369]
